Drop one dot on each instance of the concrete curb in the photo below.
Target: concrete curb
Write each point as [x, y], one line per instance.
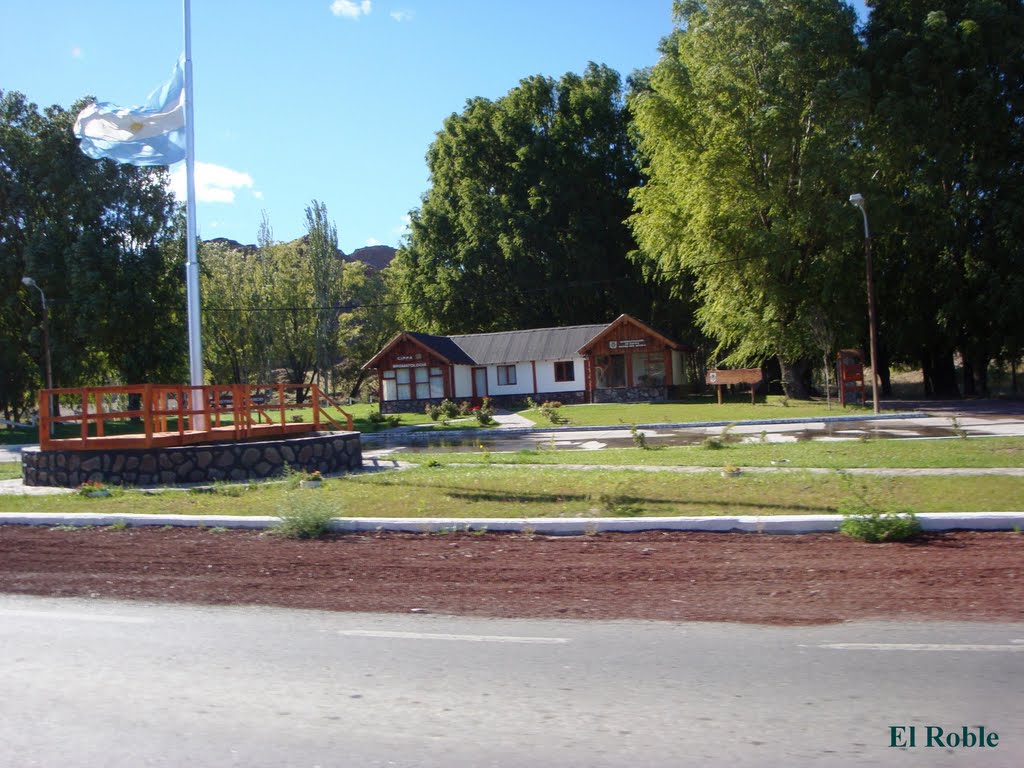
[772, 524]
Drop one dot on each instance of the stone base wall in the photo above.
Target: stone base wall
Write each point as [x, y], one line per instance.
[328, 452]
[512, 402]
[631, 395]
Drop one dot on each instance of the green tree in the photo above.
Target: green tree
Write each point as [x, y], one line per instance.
[102, 241]
[327, 268]
[372, 322]
[947, 115]
[523, 224]
[746, 127]
[237, 288]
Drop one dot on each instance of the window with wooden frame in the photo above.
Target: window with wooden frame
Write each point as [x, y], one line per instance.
[402, 379]
[565, 370]
[649, 369]
[506, 375]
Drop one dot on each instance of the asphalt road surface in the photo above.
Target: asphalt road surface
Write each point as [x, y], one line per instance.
[92, 683]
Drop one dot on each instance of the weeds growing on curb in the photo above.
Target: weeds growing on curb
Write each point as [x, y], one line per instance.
[867, 520]
[304, 518]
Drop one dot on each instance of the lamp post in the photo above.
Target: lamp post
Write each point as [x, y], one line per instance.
[46, 341]
[858, 200]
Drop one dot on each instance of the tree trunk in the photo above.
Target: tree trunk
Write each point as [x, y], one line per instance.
[796, 378]
[939, 373]
[360, 378]
[968, 373]
[884, 374]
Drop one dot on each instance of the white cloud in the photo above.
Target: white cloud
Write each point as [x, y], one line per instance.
[76, 52]
[258, 194]
[403, 229]
[372, 241]
[214, 183]
[350, 9]
[403, 15]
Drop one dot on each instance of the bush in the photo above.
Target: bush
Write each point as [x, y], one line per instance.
[619, 503]
[639, 438]
[485, 412]
[304, 518]
[875, 526]
[550, 411]
[448, 409]
[376, 417]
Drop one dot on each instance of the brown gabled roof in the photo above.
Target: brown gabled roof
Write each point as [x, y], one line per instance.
[628, 320]
[440, 346]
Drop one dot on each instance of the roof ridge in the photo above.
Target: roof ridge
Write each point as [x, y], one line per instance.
[532, 330]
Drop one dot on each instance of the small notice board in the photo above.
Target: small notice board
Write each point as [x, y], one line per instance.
[850, 375]
[720, 378]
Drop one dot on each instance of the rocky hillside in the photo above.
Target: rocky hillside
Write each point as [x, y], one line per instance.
[376, 257]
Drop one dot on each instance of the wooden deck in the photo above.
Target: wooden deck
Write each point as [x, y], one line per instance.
[223, 414]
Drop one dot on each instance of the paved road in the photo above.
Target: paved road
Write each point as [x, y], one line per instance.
[92, 683]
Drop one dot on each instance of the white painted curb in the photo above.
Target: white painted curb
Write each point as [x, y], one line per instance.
[774, 524]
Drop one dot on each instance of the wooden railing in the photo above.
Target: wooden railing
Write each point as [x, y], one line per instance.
[150, 415]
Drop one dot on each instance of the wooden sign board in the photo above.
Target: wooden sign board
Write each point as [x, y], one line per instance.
[734, 376]
[749, 376]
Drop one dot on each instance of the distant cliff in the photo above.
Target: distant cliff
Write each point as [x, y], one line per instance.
[376, 257]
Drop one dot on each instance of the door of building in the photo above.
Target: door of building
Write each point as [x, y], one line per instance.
[479, 383]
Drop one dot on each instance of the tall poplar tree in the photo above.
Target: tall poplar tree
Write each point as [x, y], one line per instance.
[746, 126]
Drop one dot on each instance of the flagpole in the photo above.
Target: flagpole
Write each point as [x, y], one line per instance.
[195, 339]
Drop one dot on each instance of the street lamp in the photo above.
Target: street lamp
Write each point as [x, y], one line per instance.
[858, 200]
[46, 342]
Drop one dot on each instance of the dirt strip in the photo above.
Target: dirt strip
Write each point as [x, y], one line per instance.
[805, 579]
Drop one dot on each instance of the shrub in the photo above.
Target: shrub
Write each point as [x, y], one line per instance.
[713, 443]
[448, 409]
[639, 438]
[484, 413]
[550, 410]
[619, 504]
[376, 417]
[873, 525]
[305, 518]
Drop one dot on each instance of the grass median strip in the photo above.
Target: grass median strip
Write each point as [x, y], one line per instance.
[500, 491]
[694, 409]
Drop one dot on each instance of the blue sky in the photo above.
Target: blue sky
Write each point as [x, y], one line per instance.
[329, 100]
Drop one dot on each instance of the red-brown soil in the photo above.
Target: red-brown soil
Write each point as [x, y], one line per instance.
[809, 579]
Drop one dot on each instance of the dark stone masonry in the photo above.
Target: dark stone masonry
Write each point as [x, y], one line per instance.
[328, 452]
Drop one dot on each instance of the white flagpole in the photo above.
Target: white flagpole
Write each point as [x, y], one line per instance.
[195, 339]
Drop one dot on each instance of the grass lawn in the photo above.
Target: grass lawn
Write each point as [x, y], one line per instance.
[694, 409]
[954, 452]
[509, 491]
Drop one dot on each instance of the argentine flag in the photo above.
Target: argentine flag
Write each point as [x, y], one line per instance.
[150, 135]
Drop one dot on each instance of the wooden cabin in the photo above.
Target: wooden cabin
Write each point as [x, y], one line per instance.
[622, 361]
